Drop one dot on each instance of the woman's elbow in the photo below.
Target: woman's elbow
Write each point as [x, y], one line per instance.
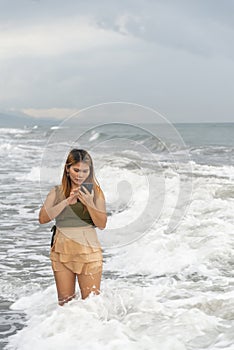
[43, 219]
[103, 225]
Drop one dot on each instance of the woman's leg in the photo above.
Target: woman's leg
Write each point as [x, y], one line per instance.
[89, 283]
[65, 283]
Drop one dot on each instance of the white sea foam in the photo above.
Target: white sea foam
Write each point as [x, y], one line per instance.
[136, 318]
[12, 150]
[209, 170]
[146, 306]
[132, 317]
[13, 131]
[94, 136]
[44, 174]
[166, 290]
[58, 127]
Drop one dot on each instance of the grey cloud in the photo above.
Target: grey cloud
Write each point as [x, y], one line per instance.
[176, 57]
[198, 27]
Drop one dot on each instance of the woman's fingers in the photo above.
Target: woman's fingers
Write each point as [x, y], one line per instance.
[86, 198]
[75, 192]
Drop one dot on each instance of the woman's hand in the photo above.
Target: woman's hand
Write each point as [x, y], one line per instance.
[86, 198]
[72, 199]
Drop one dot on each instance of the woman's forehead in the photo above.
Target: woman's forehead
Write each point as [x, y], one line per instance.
[81, 165]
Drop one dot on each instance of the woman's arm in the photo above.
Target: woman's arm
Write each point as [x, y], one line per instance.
[96, 210]
[49, 211]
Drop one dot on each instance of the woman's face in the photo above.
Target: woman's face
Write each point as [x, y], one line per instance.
[79, 172]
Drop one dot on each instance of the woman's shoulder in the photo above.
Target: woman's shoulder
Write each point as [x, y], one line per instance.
[55, 191]
[55, 188]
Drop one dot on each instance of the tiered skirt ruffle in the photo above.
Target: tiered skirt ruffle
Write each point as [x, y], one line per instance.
[77, 249]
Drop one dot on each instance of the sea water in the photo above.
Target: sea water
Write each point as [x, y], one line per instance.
[165, 289]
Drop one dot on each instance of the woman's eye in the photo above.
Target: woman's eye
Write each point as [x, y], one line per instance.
[78, 170]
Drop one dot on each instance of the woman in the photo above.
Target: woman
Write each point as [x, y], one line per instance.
[75, 250]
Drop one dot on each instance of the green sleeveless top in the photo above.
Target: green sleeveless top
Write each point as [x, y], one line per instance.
[73, 216]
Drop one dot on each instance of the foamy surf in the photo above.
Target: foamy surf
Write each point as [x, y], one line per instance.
[123, 315]
[166, 290]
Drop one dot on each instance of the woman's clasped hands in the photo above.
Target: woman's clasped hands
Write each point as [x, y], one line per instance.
[84, 196]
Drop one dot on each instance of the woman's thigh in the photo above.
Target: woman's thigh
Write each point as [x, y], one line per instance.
[65, 282]
[89, 283]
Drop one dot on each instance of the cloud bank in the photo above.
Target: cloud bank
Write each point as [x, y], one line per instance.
[174, 56]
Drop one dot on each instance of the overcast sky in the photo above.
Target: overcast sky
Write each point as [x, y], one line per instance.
[174, 56]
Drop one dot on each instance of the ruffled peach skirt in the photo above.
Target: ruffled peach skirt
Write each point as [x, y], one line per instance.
[78, 249]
